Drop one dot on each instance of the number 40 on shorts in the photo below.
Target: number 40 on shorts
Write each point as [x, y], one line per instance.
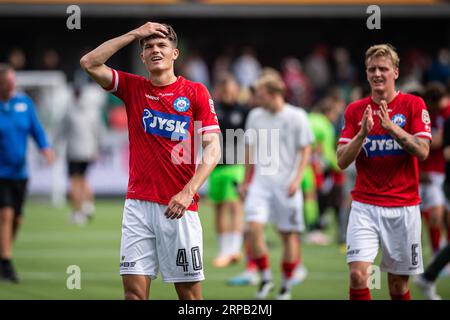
[196, 260]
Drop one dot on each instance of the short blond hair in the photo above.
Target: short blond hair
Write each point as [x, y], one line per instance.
[272, 82]
[383, 50]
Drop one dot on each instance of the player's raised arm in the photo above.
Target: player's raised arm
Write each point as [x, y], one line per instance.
[347, 153]
[94, 62]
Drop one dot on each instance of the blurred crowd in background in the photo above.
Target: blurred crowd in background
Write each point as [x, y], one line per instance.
[324, 72]
[322, 82]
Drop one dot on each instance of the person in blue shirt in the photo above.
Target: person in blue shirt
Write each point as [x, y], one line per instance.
[18, 120]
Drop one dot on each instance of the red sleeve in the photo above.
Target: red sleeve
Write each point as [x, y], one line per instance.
[420, 121]
[121, 84]
[348, 129]
[204, 112]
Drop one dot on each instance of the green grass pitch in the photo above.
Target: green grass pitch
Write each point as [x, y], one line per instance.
[48, 244]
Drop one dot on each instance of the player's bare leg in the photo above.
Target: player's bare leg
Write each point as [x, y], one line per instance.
[6, 242]
[359, 274]
[237, 227]
[261, 258]
[16, 225]
[229, 232]
[76, 198]
[290, 259]
[256, 237]
[76, 192]
[136, 287]
[189, 290]
[250, 275]
[435, 224]
[222, 231]
[6, 232]
[87, 205]
[291, 246]
[398, 287]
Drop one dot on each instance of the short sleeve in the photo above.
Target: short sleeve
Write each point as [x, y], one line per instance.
[204, 112]
[348, 127]
[122, 83]
[420, 121]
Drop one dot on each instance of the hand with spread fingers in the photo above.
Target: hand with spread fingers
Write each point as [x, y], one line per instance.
[383, 115]
[179, 204]
[366, 121]
[150, 28]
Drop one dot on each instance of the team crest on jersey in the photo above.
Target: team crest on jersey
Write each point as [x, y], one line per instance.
[426, 117]
[181, 104]
[166, 125]
[20, 107]
[382, 145]
[399, 119]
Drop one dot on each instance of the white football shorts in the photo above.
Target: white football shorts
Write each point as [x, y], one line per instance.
[432, 193]
[396, 229]
[264, 204]
[151, 243]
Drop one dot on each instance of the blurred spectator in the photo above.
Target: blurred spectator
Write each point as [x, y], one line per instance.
[298, 87]
[413, 87]
[196, 69]
[440, 68]
[81, 129]
[345, 75]
[222, 66]
[17, 59]
[345, 71]
[246, 68]
[318, 70]
[50, 60]
[413, 66]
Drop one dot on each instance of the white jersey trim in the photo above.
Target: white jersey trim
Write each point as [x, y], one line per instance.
[424, 134]
[208, 128]
[345, 140]
[116, 81]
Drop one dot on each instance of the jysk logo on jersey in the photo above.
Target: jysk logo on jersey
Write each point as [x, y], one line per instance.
[166, 125]
[376, 146]
[399, 119]
[181, 104]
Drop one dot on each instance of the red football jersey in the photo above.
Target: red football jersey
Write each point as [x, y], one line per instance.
[164, 124]
[435, 161]
[386, 174]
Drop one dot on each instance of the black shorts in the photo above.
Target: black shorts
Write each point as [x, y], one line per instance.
[78, 168]
[12, 194]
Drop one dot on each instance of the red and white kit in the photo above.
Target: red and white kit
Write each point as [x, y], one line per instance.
[161, 124]
[385, 209]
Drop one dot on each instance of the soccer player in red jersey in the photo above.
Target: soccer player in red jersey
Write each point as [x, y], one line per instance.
[161, 230]
[386, 133]
[432, 170]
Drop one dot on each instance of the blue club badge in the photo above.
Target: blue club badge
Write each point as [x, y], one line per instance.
[399, 120]
[181, 104]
